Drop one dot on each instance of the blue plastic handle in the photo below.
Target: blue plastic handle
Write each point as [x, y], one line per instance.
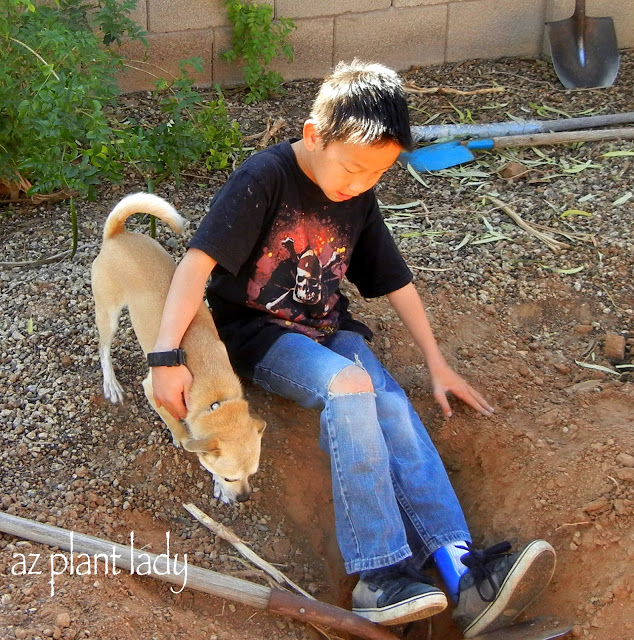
[487, 143]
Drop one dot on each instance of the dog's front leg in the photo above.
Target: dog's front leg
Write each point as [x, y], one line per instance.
[176, 427]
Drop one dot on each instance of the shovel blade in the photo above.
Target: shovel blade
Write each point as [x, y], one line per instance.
[543, 628]
[437, 156]
[584, 55]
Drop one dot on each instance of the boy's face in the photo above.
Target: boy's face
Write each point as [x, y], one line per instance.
[344, 170]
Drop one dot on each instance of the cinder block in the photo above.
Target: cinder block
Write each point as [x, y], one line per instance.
[621, 12]
[313, 47]
[312, 43]
[224, 74]
[139, 15]
[495, 28]
[418, 3]
[398, 38]
[304, 9]
[180, 15]
[165, 50]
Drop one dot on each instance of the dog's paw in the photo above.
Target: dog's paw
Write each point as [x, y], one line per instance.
[112, 390]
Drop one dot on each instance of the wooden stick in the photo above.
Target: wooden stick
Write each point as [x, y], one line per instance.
[412, 88]
[563, 137]
[205, 580]
[127, 557]
[226, 534]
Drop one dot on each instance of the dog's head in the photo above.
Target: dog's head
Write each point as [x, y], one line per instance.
[227, 440]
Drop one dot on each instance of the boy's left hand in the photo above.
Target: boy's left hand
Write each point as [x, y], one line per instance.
[446, 380]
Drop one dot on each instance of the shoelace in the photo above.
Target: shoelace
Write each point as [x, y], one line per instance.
[477, 560]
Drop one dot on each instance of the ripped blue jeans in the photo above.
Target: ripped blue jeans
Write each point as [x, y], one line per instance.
[392, 497]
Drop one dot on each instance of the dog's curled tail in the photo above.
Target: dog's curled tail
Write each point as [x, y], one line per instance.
[142, 203]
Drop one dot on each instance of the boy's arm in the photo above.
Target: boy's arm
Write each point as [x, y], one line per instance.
[171, 385]
[409, 307]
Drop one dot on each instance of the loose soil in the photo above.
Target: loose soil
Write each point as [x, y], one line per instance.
[556, 461]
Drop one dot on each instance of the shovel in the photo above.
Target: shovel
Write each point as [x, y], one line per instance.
[584, 50]
[431, 132]
[435, 157]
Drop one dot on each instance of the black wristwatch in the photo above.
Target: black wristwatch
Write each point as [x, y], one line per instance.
[173, 358]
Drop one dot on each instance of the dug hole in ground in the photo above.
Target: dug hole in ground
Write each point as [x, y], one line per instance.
[540, 332]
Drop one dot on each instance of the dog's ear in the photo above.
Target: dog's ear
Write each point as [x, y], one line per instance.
[261, 425]
[206, 445]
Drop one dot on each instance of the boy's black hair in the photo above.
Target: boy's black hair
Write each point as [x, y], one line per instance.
[362, 103]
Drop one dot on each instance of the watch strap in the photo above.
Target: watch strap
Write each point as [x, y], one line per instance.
[173, 358]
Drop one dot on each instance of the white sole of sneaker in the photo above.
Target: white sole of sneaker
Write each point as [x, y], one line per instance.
[529, 576]
[416, 608]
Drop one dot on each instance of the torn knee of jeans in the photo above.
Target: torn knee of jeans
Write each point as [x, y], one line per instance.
[350, 380]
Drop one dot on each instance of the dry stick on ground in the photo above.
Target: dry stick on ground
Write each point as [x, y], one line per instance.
[180, 573]
[226, 534]
[546, 238]
[412, 88]
[265, 136]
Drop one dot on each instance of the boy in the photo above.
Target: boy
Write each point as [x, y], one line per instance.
[277, 240]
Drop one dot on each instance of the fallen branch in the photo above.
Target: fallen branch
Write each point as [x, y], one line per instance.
[58, 257]
[546, 238]
[573, 524]
[226, 534]
[412, 88]
[265, 136]
[211, 582]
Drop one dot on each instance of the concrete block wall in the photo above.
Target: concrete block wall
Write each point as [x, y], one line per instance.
[399, 33]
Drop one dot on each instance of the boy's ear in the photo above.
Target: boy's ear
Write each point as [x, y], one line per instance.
[311, 139]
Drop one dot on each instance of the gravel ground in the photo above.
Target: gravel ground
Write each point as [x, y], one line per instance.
[72, 460]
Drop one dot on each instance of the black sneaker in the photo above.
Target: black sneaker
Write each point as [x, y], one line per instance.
[388, 597]
[500, 585]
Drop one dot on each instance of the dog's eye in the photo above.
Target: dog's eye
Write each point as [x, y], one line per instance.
[214, 406]
[229, 480]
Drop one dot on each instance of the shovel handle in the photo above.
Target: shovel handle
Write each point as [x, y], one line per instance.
[301, 608]
[564, 137]
[579, 17]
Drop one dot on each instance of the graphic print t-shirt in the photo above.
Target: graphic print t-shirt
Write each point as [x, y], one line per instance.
[282, 249]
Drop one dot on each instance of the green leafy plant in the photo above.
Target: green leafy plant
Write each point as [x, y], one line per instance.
[258, 39]
[59, 126]
[56, 77]
[190, 130]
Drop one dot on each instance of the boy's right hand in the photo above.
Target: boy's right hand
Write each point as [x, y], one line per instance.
[171, 386]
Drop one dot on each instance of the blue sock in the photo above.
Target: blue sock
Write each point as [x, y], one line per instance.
[448, 563]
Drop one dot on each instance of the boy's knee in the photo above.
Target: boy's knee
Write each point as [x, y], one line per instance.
[351, 379]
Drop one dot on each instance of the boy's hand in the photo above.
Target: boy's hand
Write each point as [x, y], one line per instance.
[446, 380]
[171, 387]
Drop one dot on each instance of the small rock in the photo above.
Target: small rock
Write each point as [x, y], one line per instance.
[614, 348]
[627, 475]
[62, 620]
[513, 171]
[583, 329]
[564, 369]
[596, 506]
[625, 460]
[581, 387]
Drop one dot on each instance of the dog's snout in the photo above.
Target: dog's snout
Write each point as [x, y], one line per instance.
[242, 497]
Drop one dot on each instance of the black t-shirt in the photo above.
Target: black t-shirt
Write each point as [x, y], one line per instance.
[282, 248]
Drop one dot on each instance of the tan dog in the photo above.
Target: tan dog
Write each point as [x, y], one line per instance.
[133, 270]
